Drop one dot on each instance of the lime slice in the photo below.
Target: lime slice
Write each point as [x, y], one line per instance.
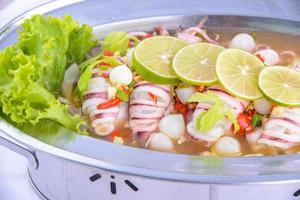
[238, 71]
[280, 85]
[195, 64]
[152, 58]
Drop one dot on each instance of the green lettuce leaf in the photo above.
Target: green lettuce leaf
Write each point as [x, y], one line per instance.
[122, 95]
[207, 120]
[56, 43]
[86, 70]
[81, 41]
[23, 98]
[219, 110]
[116, 42]
[83, 81]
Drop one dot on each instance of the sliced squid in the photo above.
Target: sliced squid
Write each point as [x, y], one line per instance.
[222, 126]
[185, 91]
[196, 34]
[268, 56]
[282, 130]
[102, 120]
[145, 112]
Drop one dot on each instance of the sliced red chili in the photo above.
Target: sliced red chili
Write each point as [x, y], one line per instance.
[260, 57]
[108, 53]
[181, 108]
[147, 36]
[153, 97]
[244, 122]
[110, 103]
[200, 88]
[251, 112]
[112, 136]
[101, 64]
[104, 75]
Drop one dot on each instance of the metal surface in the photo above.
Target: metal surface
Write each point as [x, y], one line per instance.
[122, 159]
[9, 143]
[75, 181]
[74, 160]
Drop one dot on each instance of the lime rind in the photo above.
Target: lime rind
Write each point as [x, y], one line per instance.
[147, 58]
[271, 82]
[229, 68]
[188, 67]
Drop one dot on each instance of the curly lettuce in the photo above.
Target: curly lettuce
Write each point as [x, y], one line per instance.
[56, 43]
[32, 71]
[23, 98]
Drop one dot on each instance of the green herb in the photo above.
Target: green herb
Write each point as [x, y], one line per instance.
[31, 72]
[104, 68]
[122, 95]
[219, 110]
[56, 43]
[24, 98]
[231, 117]
[83, 81]
[86, 70]
[254, 35]
[256, 120]
[116, 42]
[132, 84]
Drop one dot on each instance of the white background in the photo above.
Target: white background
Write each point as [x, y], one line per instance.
[14, 184]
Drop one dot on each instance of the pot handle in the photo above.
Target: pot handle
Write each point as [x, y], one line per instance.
[15, 146]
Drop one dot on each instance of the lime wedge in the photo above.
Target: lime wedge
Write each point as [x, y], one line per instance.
[238, 71]
[280, 85]
[153, 57]
[195, 64]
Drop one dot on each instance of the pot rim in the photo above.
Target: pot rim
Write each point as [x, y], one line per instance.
[159, 164]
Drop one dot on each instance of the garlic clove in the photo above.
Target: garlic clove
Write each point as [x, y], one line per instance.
[227, 146]
[243, 41]
[269, 56]
[262, 106]
[159, 141]
[173, 126]
[183, 93]
[111, 92]
[121, 75]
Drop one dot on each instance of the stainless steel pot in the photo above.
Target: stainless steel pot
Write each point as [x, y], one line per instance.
[70, 166]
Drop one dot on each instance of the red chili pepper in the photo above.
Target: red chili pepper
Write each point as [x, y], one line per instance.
[125, 89]
[112, 136]
[181, 108]
[147, 36]
[104, 75]
[260, 57]
[153, 97]
[244, 123]
[108, 53]
[200, 88]
[250, 112]
[101, 64]
[110, 103]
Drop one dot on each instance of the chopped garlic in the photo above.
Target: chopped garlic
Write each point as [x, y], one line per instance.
[277, 111]
[118, 140]
[121, 75]
[111, 92]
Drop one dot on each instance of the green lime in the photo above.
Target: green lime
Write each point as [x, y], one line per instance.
[238, 71]
[153, 57]
[195, 64]
[280, 85]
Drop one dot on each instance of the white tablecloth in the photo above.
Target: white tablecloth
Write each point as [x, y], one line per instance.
[14, 184]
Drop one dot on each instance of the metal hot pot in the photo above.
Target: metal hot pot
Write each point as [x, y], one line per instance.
[70, 166]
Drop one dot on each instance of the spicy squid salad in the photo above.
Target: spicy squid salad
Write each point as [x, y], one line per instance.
[193, 90]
